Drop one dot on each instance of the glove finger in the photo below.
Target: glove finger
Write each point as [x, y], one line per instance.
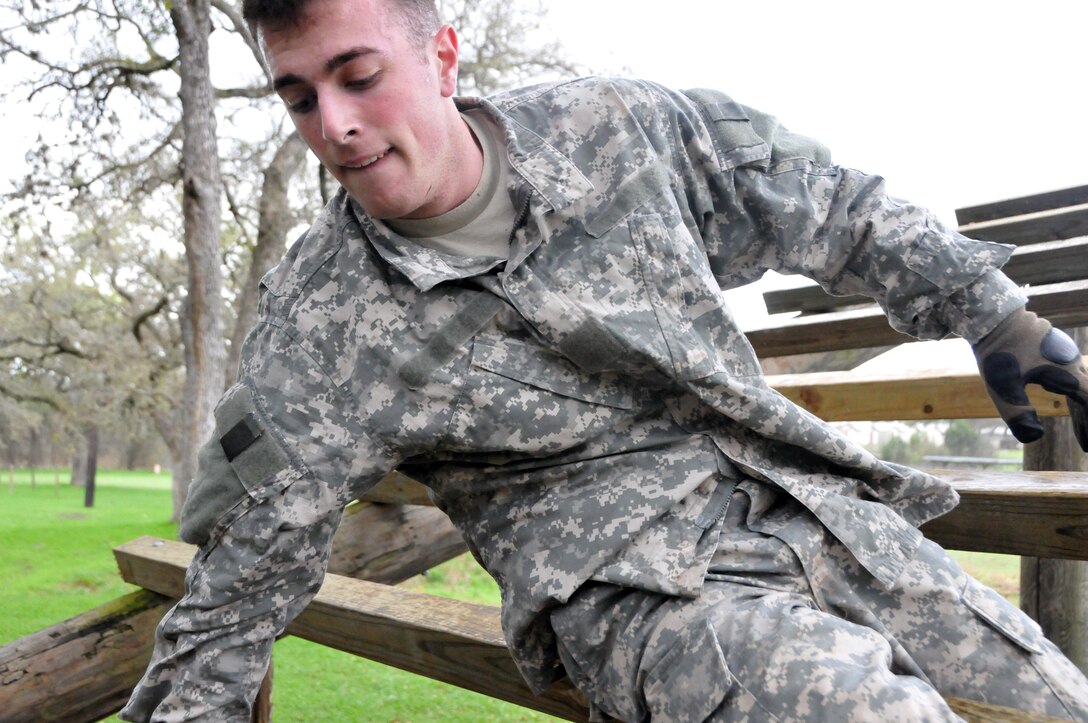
[1026, 427]
[1004, 380]
[1078, 412]
[1053, 379]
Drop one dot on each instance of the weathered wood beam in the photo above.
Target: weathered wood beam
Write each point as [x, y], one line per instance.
[397, 487]
[1042, 514]
[392, 542]
[1032, 228]
[1021, 205]
[453, 641]
[1064, 304]
[84, 668]
[849, 396]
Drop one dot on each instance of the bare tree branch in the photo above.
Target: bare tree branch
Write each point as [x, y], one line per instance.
[242, 28]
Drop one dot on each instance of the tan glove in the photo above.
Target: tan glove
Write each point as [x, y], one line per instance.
[1024, 349]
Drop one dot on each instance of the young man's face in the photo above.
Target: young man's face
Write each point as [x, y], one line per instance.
[372, 105]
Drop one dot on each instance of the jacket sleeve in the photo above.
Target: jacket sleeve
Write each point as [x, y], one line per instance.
[297, 457]
[772, 200]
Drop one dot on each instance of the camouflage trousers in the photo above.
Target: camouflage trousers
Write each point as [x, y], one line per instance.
[790, 628]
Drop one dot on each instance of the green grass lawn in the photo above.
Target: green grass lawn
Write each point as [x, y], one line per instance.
[57, 562]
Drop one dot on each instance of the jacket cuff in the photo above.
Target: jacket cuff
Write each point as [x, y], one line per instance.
[976, 309]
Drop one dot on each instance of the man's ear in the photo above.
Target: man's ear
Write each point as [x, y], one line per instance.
[445, 52]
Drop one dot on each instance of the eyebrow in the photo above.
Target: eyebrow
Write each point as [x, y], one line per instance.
[336, 61]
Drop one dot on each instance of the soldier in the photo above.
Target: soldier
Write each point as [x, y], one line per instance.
[517, 300]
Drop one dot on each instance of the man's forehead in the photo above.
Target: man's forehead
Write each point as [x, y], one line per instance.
[327, 35]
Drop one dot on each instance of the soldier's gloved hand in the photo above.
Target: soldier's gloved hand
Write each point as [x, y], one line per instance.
[1024, 349]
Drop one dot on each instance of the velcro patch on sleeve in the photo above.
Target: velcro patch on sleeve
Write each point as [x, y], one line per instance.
[240, 437]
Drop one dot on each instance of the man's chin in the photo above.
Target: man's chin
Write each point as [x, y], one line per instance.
[378, 209]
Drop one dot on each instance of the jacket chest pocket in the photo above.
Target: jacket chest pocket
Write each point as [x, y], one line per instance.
[519, 397]
[681, 290]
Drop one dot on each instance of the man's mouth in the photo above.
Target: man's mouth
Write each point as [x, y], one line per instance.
[363, 163]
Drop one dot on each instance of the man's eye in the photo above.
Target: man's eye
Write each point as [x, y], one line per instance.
[363, 82]
[300, 105]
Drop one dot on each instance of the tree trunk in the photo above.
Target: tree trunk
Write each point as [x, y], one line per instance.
[90, 466]
[1055, 592]
[205, 352]
[35, 453]
[79, 465]
[273, 226]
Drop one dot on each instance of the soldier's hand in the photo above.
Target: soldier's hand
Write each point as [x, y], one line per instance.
[1024, 349]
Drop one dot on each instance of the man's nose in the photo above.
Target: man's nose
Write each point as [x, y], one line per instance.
[338, 121]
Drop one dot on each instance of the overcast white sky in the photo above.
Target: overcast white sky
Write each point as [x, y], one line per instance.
[955, 102]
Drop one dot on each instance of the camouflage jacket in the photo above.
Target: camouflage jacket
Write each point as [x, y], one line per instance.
[581, 408]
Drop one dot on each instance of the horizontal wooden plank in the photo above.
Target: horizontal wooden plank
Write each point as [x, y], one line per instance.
[1034, 203]
[457, 642]
[849, 396]
[1064, 304]
[1039, 514]
[1045, 263]
[1032, 228]
[450, 640]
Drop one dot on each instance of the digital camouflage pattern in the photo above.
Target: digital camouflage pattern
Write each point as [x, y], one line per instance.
[581, 410]
[790, 628]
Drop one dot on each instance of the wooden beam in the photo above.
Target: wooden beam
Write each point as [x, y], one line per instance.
[453, 641]
[849, 396]
[1043, 514]
[392, 542]
[1033, 228]
[397, 487]
[82, 669]
[1064, 304]
[1024, 204]
[1050, 262]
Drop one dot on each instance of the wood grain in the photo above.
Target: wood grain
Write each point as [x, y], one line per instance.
[82, 669]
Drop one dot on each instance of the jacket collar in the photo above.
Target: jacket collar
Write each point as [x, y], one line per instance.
[555, 182]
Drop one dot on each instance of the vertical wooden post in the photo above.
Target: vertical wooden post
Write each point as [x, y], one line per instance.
[1055, 592]
[262, 706]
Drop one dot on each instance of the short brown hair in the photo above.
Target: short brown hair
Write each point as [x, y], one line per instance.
[418, 17]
